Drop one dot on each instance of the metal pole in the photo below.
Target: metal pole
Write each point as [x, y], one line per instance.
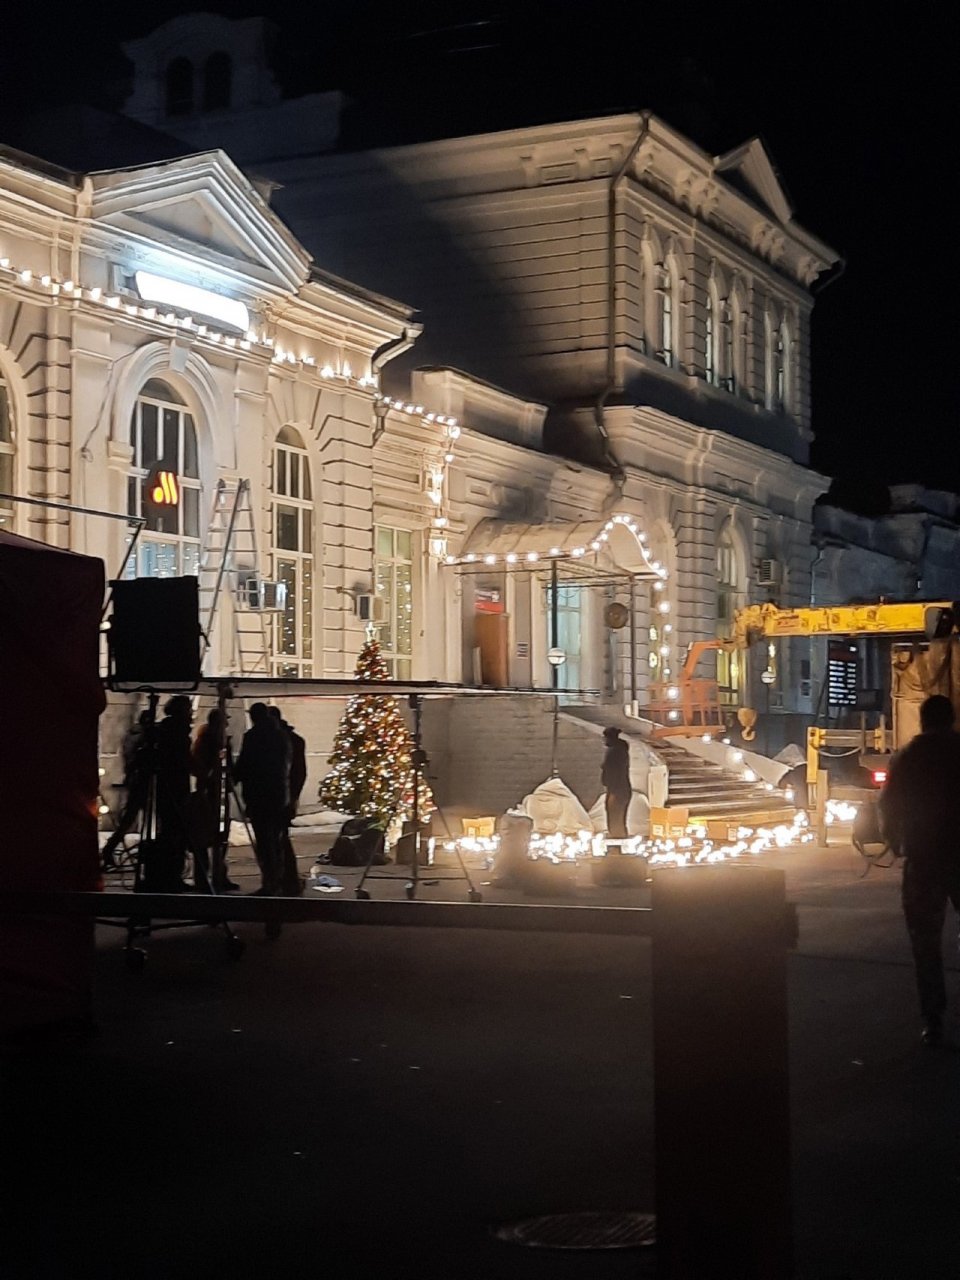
[554, 619]
[633, 643]
[415, 760]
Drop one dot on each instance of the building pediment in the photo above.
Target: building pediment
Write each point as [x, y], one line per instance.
[205, 207]
[750, 168]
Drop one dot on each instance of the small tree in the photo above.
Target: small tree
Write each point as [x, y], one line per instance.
[372, 773]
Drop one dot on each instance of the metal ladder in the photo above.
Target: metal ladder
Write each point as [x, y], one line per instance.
[230, 555]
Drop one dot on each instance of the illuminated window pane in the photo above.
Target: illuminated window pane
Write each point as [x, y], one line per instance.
[384, 589]
[394, 585]
[191, 559]
[404, 607]
[293, 536]
[287, 573]
[161, 429]
[306, 630]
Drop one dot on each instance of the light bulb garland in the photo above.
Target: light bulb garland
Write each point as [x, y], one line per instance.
[437, 469]
[693, 847]
[177, 320]
[68, 290]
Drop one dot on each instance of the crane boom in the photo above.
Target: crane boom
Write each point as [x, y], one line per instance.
[762, 621]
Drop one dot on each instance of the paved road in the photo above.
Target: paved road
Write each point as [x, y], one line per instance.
[370, 1102]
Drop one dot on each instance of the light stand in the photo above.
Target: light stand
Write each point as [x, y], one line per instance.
[556, 657]
[418, 761]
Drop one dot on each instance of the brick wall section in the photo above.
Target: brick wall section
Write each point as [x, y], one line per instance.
[486, 755]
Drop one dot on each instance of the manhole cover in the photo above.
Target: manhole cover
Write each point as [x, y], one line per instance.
[590, 1230]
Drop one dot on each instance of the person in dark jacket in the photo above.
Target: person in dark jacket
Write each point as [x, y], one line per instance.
[173, 768]
[920, 819]
[212, 807]
[292, 882]
[615, 777]
[263, 771]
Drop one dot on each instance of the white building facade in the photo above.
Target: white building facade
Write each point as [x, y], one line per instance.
[656, 301]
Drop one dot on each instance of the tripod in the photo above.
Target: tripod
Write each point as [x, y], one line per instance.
[419, 761]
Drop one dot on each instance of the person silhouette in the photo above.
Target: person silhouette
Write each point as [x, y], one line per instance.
[920, 820]
[263, 772]
[615, 776]
[168, 856]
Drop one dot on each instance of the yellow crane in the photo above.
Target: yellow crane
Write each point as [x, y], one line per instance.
[927, 662]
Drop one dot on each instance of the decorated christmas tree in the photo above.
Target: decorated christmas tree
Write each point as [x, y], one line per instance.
[372, 772]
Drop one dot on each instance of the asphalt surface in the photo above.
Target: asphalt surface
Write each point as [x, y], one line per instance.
[357, 1102]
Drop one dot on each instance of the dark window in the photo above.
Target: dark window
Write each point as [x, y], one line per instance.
[179, 87]
[217, 78]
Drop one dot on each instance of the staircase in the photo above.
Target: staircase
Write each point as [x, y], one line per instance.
[699, 793]
[713, 796]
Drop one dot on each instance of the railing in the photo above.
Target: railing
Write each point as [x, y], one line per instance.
[684, 706]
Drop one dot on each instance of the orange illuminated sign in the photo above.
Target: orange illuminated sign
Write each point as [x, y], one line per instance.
[162, 488]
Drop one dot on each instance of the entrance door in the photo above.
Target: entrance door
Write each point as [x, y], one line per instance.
[569, 633]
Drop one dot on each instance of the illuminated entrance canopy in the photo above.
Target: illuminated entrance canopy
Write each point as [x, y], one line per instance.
[189, 297]
[526, 545]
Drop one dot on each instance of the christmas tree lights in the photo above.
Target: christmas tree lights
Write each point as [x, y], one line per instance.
[372, 771]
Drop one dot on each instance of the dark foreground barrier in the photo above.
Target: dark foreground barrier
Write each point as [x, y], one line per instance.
[720, 936]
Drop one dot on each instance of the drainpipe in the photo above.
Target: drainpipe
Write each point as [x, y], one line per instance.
[611, 371]
[388, 351]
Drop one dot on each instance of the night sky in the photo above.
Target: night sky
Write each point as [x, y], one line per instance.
[851, 101]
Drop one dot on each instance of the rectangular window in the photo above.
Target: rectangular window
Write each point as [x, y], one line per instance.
[394, 586]
[293, 556]
[569, 633]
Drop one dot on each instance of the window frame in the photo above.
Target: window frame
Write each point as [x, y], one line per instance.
[187, 546]
[399, 660]
[301, 560]
[731, 588]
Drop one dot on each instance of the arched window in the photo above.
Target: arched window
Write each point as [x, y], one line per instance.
[731, 591]
[7, 450]
[777, 343]
[180, 87]
[292, 495]
[725, 347]
[719, 364]
[217, 82]
[162, 431]
[710, 368]
[667, 311]
[738, 334]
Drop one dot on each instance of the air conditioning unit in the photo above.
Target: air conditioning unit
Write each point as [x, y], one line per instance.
[769, 573]
[263, 596]
[371, 608]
